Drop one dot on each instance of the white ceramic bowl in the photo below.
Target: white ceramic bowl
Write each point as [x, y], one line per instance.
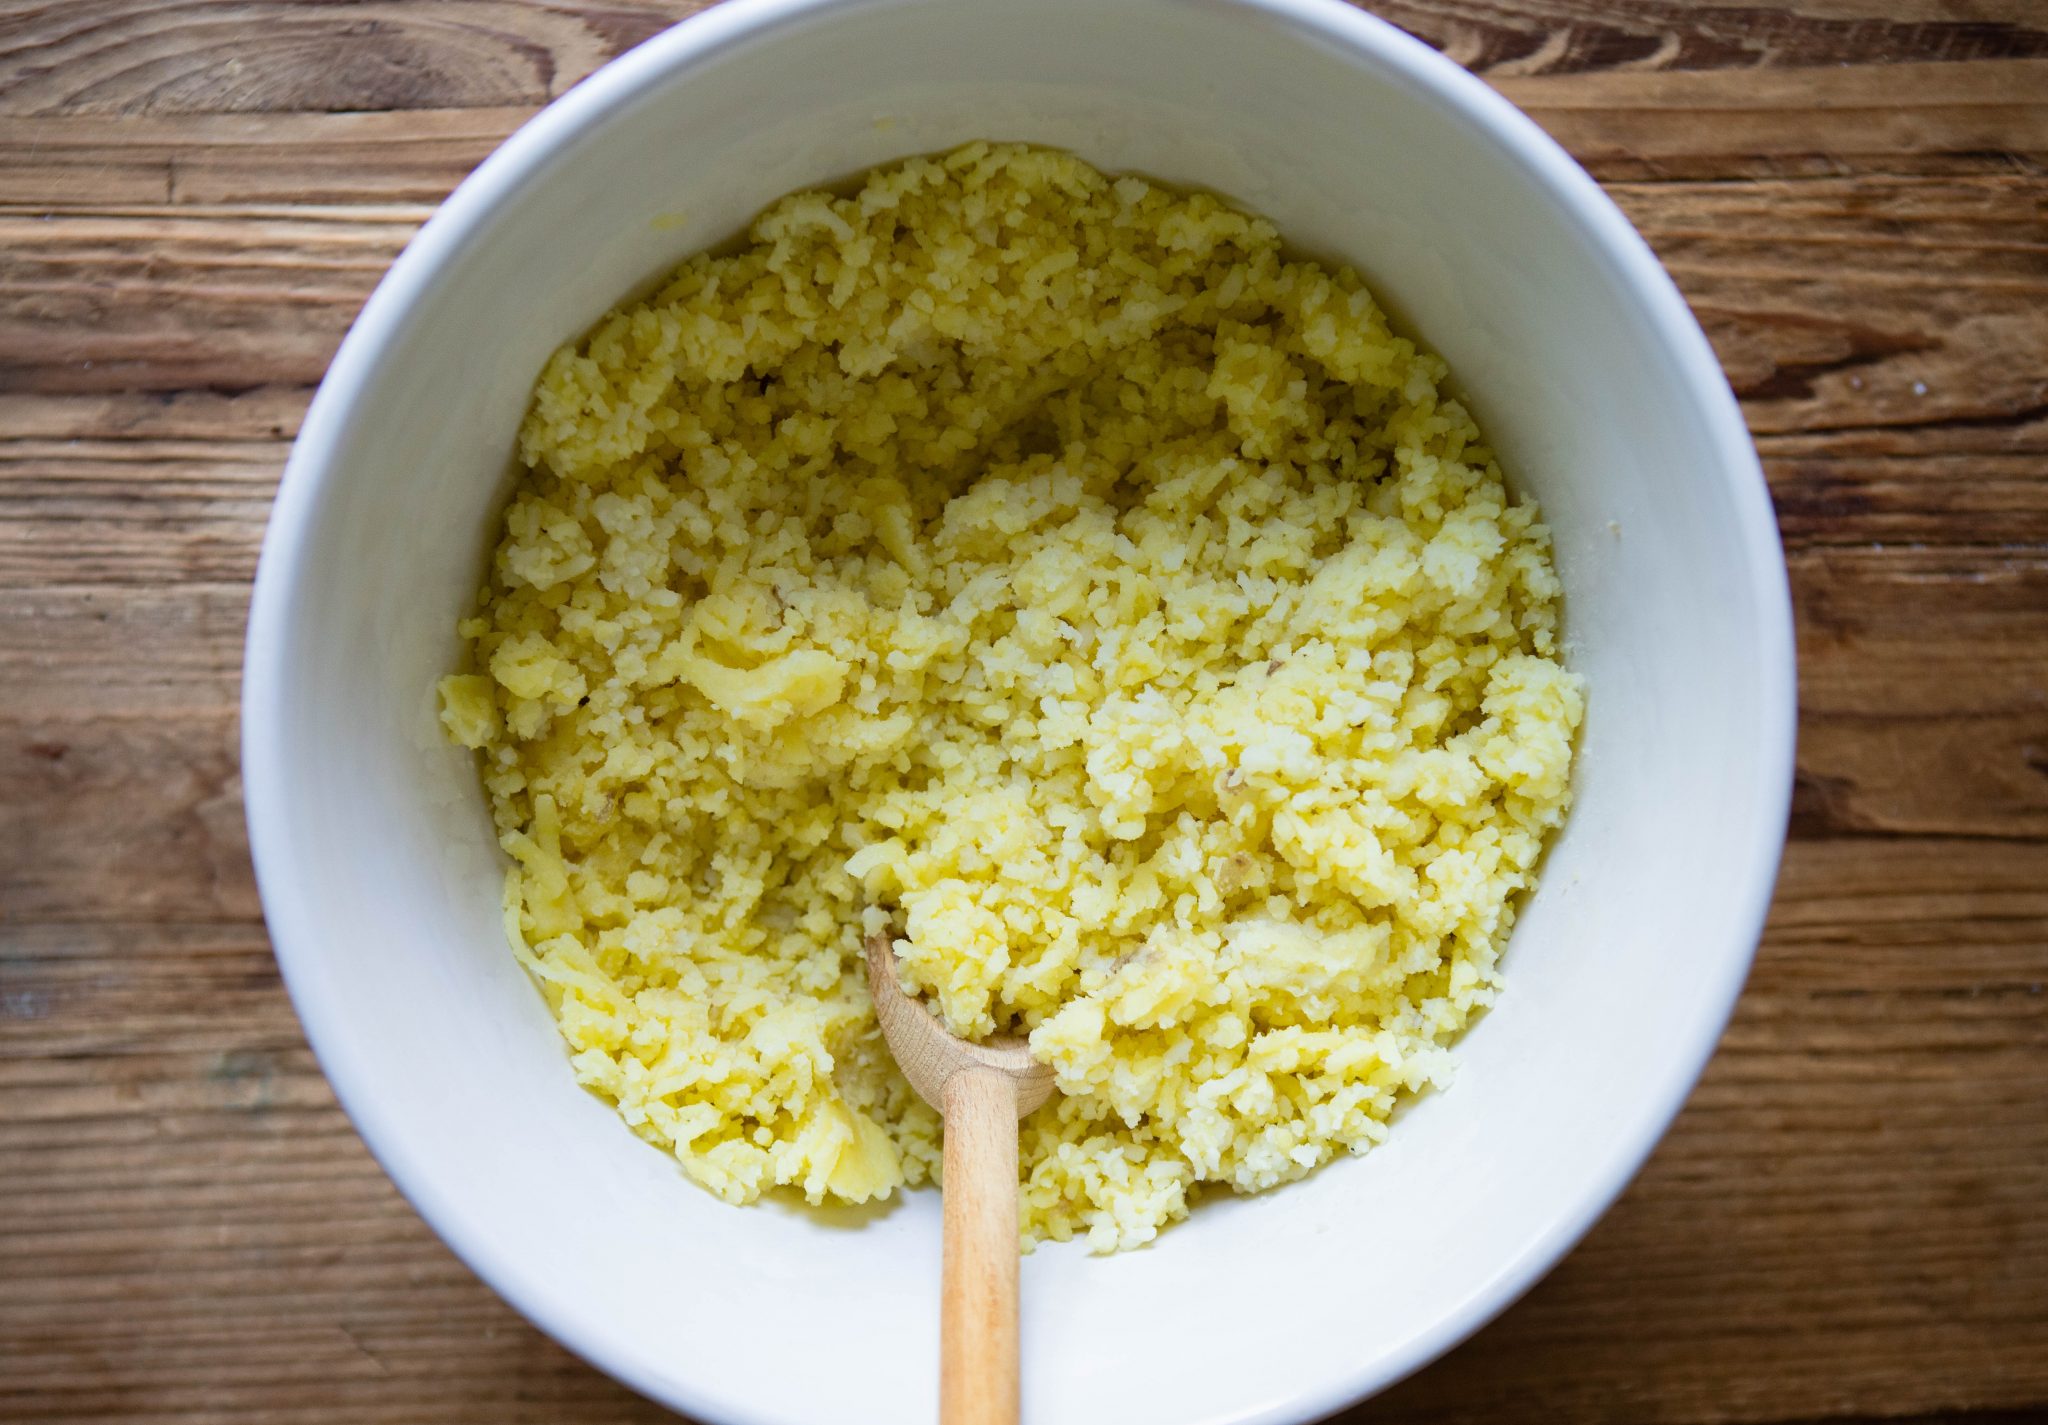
[381, 882]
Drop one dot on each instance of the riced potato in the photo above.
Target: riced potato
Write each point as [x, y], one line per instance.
[1041, 566]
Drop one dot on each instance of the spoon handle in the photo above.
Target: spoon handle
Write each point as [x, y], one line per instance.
[978, 1330]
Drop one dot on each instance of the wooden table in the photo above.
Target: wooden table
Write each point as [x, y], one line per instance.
[1851, 1218]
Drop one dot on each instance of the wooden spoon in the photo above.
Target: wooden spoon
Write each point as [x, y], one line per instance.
[981, 1090]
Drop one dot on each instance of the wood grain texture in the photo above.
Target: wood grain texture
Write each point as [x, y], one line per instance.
[1850, 1219]
[133, 57]
[978, 1367]
[1927, 119]
[140, 300]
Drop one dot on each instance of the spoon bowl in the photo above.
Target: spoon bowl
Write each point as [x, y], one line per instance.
[931, 1055]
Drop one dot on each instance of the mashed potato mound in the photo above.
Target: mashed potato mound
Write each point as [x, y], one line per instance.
[1043, 567]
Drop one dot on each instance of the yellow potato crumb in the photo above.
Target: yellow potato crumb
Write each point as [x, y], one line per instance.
[1045, 568]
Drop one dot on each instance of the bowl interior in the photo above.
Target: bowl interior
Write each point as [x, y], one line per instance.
[382, 881]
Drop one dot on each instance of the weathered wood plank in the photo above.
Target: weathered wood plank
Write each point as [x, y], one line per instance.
[1835, 304]
[1556, 37]
[1871, 302]
[1923, 691]
[152, 57]
[1831, 498]
[1923, 678]
[81, 654]
[126, 301]
[1893, 1029]
[147, 57]
[123, 818]
[1953, 483]
[1940, 483]
[1628, 124]
[345, 158]
[225, 420]
[137, 512]
[1624, 124]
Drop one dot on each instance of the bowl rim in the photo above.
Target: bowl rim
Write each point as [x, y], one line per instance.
[267, 744]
